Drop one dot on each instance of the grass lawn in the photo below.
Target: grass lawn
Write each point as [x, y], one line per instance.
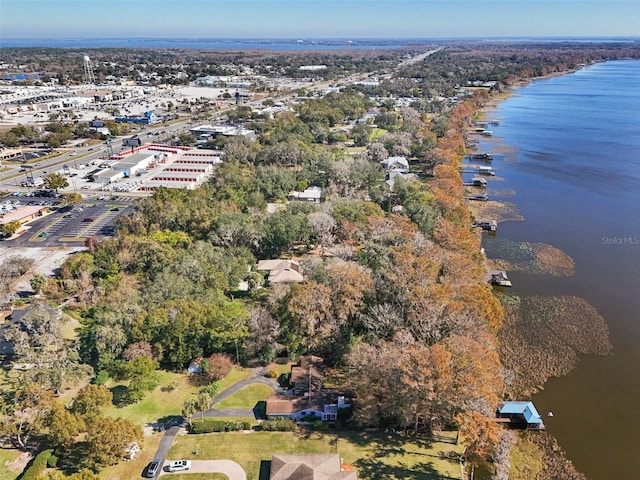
[133, 469]
[234, 377]
[280, 368]
[376, 132]
[246, 397]
[8, 455]
[376, 456]
[164, 402]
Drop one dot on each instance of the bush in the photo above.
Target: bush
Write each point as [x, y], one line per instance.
[101, 378]
[210, 425]
[272, 374]
[279, 425]
[320, 426]
[52, 461]
[311, 418]
[37, 467]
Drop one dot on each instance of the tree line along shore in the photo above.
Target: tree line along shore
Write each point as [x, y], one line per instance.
[393, 295]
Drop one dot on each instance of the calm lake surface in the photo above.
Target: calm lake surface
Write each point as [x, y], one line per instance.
[572, 157]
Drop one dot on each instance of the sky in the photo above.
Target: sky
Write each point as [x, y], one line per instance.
[318, 18]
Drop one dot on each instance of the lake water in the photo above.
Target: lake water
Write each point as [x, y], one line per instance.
[575, 170]
[215, 43]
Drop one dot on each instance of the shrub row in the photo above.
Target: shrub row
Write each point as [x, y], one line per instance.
[209, 425]
[278, 425]
[37, 467]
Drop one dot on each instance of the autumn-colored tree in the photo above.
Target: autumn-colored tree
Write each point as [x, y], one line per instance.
[350, 285]
[216, 366]
[137, 350]
[309, 309]
[480, 436]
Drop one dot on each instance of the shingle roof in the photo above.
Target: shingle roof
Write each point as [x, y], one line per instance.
[319, 466]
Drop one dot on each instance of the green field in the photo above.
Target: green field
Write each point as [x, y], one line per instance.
[246, 397]
[167, 399]
[8, 455]
[376, 456]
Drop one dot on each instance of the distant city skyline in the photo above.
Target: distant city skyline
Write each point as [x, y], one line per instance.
[317, 18]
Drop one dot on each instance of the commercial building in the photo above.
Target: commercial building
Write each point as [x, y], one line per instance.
[135, 163]
[148, 118]
[212, 131]
[23, 214]
[107, 176]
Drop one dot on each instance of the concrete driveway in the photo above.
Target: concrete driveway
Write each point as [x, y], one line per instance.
[226, 467]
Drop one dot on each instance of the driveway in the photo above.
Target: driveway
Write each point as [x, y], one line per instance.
[226, 467]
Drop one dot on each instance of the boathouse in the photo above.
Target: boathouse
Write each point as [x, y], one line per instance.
[520, 415]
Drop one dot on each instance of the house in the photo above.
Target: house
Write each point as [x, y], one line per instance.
[323, 405]
[393, 175]
[305, 396]
[520, 415]
[315, 466]
[399, 164]
[281, 271]
[311, 194]
[306, 377]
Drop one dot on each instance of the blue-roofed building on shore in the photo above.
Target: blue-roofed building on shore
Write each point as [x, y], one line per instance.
[520, 415]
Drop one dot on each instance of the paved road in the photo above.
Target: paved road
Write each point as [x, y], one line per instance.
[226, 467]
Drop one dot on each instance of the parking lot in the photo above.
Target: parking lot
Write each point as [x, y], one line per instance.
[69, 224]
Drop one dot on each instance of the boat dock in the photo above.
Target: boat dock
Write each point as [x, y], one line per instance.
[483, 197]
[476, 182]
[484, 156]
[498, 277]
[487, 225]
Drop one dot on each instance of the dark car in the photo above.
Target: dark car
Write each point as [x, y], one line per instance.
[87, 220]
[153, 468]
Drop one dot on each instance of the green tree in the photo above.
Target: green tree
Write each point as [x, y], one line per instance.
[203, 402]
[90, 401]
[142, 376]
[55, 181]
[37, 283]
[9, 229]
[189, 408]
[26, 415]
[62, 425]
[70, 199]
[107, 439]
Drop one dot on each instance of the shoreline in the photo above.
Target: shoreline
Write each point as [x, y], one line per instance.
[561, 357]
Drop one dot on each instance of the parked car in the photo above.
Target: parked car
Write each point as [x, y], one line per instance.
[152, 469]
[87, 220]
[179, 466]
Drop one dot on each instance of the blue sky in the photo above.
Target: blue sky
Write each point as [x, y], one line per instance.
[317, 18]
